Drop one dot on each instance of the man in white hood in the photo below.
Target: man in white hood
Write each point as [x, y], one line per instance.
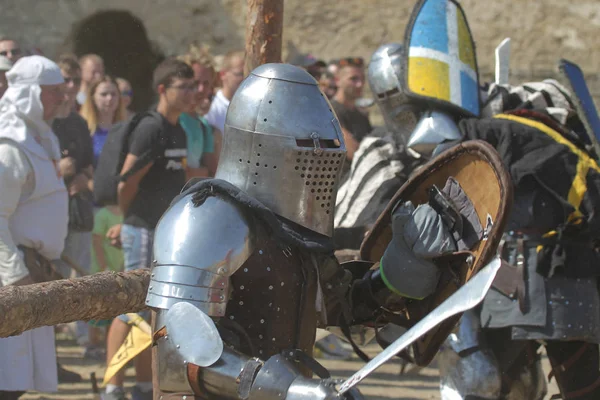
[33, 211]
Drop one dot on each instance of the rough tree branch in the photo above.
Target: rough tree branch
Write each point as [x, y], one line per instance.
[100, 296]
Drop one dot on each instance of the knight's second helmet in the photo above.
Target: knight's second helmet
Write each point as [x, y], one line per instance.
[283, 145]
[437, 74]
[385, 80]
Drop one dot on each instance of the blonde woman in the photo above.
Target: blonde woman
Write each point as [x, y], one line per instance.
[102, 109]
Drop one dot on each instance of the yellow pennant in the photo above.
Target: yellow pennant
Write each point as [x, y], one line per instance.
[138, 340]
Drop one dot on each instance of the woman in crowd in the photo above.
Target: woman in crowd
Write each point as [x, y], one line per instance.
[101, 110]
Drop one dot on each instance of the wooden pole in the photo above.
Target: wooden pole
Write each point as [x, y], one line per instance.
[264, 27]
[99, 296]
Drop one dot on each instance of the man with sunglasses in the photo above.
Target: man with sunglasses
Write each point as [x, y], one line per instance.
[10, 49]
[350, 80]
[162, 145]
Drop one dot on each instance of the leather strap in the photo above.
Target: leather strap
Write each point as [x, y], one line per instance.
[521, 266]
[569, 363]
[159, 334]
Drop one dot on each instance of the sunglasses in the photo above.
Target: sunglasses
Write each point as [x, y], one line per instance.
[127, 93]
[76, 81]
[351, 61]
[13, 52]
[187, 88]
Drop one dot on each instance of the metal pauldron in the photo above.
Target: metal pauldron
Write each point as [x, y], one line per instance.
[193, 263]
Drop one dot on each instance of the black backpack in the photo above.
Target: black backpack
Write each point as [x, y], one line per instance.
[112, 157]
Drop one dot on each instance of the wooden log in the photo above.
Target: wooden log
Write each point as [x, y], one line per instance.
[264, 27]
[100, 296]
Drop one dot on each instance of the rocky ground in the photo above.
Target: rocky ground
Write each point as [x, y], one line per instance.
[385, 383]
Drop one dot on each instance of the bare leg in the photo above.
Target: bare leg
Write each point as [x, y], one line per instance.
[117, 333]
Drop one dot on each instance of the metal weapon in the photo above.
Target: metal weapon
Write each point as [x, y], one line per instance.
[583, 101]
[503, 62]
[465, 298]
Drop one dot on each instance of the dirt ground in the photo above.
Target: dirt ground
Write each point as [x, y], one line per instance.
[385, 383]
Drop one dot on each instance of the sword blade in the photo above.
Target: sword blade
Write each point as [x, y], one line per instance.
[465, 298]
[503, 62]
[584, 103]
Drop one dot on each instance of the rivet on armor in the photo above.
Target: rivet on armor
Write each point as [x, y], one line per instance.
[184, 398]
[245, 269]
[567, 302]
[150, 288]
[152, 275]
[273, 339]
[221, 297]
[231, 317]
[580, 303]
[550, 302]
[241, 303]
[260, 336]
[260, 252]
[178, 346]
[221, 271]
[262, 321]
[270, 304]
[242, 287]
[260, 352]
[269, 269]
[282, 283]
[569, 325]
[270, 287]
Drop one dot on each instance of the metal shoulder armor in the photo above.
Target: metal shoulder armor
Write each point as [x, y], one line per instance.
[196, 249]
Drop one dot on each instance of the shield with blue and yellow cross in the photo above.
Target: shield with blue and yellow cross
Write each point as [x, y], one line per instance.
[441, 65]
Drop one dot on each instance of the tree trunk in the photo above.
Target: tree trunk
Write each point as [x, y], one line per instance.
[264, 27]
[99, 296]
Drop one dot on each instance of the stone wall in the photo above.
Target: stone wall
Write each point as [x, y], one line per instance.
[542, 31]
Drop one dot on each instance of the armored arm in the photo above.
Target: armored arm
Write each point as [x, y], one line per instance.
[193, 265]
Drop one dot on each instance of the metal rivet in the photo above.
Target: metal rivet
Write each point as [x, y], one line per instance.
[166, 337]
[260, 352]
[185, 362]
[221, 297]
[580, 303]
[242, 287]
[260, 336]
[269, 269]
[270, 304]
[231, 317]
[270, 287]
[260, 252]
[184, 398]
[147, 301]
[245, 269]
[550, 302]
[273, 339]
[569, 325]
[291, 353]
[262, 321]
[152, 275]
[580, 326]
[178, 346]
[150, 288]
[567, 302]
[241, 303]
[278, 308]
[282, 283]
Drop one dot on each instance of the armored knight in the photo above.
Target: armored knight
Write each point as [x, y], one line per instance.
[244, 268]
[546, 292]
